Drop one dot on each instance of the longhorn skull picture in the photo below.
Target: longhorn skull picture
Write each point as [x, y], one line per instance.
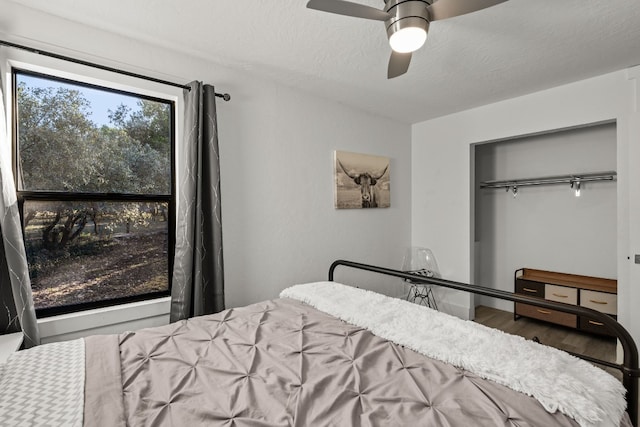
[362, 181]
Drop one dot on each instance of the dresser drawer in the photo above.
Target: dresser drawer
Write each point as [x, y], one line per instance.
[592, 325]
[558, 317]
[561, 294]
[599, 301]
[529, 288]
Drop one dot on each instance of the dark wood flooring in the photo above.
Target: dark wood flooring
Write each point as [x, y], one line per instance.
[552, 335]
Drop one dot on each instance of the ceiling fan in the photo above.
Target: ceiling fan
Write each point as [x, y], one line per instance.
[406, 21]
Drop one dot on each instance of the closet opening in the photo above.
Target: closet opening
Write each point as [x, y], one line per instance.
[553, 238]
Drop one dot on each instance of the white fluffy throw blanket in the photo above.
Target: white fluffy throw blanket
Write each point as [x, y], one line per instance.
[559, 381]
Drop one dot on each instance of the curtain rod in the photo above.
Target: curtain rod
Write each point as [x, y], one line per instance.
[563, 179]
[224, 96]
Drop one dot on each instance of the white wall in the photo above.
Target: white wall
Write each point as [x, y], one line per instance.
[278, 206]
[442, 202]
[545, 227]
[276, 144]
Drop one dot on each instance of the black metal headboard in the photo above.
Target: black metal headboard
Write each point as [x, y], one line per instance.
[629, 366]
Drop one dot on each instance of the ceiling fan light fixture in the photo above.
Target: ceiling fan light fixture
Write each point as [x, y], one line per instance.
[408, 25]
[408, 39]
[407, 21]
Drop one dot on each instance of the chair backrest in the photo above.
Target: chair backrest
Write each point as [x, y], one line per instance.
[419, 260]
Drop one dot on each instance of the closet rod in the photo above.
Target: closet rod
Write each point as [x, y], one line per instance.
[562, 179]
[224, 96]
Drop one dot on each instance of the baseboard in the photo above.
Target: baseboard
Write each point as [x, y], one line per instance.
[463, 312]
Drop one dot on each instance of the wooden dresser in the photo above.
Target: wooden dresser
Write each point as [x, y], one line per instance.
[592, 292]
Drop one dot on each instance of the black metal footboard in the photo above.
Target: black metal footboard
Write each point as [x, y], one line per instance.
[629, 366]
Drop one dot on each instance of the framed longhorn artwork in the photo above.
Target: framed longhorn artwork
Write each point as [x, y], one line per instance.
[361, 181]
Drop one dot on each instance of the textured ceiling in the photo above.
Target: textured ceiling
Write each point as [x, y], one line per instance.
[511, 49]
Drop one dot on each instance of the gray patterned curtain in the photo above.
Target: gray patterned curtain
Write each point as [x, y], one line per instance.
[198, 274]
[16, 309]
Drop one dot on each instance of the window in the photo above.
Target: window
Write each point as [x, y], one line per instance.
[95, 182]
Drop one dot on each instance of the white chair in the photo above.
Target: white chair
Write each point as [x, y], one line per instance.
[421, 261]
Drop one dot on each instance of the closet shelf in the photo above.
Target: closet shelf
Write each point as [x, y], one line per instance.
[573, 180]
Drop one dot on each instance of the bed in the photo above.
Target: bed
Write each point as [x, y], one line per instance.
[323, 354]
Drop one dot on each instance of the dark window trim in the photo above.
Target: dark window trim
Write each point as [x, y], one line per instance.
[117, 197]
[107, 197]
[17, 70]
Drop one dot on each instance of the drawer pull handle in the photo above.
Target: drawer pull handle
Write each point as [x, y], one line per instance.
[543, 311]
[530, 290]
[593, 322]
[560, 295]
[597, 302]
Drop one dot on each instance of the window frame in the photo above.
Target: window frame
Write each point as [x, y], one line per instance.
[39, 195]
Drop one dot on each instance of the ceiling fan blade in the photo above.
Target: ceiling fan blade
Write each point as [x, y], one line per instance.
[349, 9]
[398, 64]
[443, 9]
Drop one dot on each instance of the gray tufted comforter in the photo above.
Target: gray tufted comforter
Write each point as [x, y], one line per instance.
[283, 363]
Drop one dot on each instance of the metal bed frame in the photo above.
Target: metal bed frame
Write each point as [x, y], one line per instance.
[629, 366]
